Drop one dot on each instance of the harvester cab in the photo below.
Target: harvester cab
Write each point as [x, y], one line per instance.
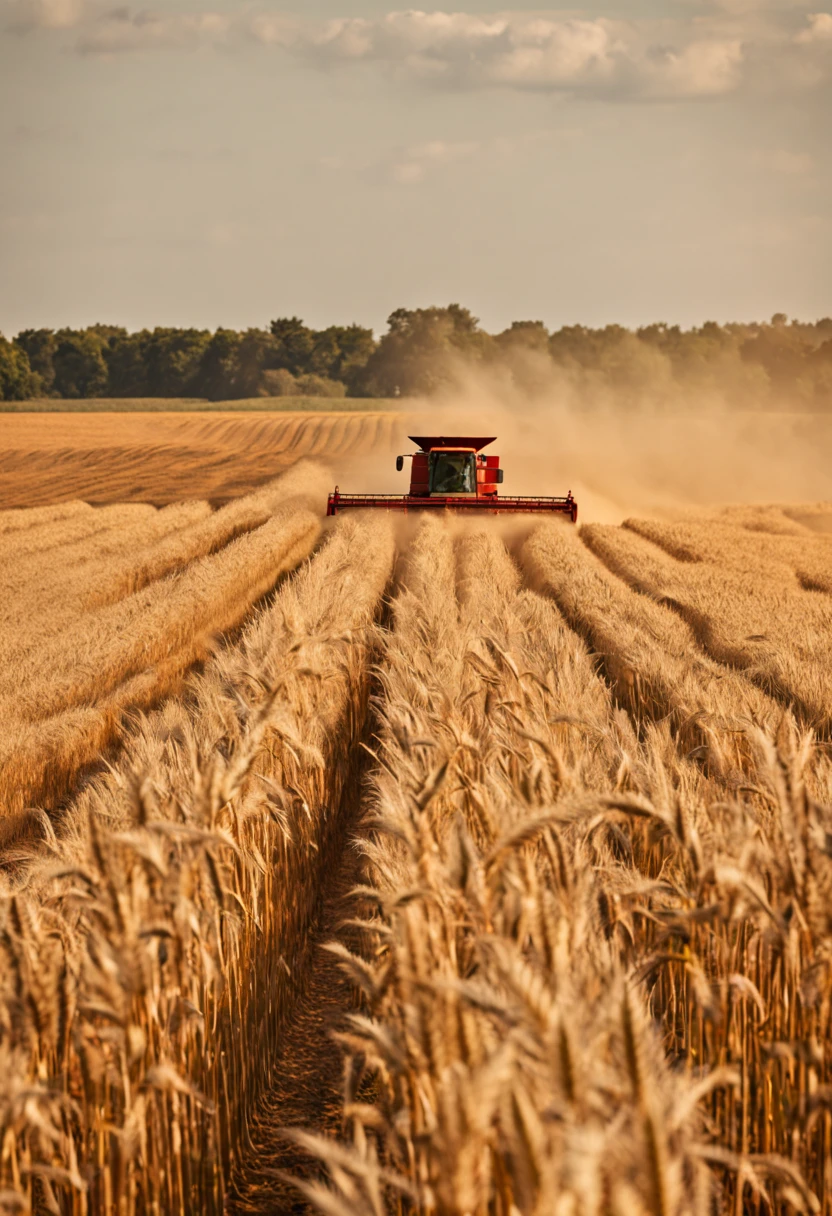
[448, 468]
[451, 473]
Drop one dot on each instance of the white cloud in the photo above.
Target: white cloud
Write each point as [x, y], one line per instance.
[26, 15]
[120, 30]
[519, 51]
[413, 165]
[818, 29]
[689, 57]
[700, 69]
[103, 29]
[273, 30]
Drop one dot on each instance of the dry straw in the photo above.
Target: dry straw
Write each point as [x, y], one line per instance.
[157, 950]
[19, 519]
[744, 613]
[63, 700]
[594, 969]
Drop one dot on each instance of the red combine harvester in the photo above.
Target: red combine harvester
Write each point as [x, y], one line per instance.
[448, 473]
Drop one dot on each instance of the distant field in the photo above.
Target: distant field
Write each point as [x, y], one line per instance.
[140, 456]
[164, 405]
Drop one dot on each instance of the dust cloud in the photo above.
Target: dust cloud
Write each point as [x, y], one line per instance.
[618, 458]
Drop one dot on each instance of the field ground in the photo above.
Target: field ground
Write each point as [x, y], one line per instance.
[365, 868]
[164, 458]
[178, 405]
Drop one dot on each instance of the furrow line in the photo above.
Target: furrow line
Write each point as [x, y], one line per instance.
[771, 635]
[648, 655]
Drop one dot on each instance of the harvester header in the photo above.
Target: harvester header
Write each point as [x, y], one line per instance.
[449, 473]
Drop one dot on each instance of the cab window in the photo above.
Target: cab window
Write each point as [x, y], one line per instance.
[453, 473]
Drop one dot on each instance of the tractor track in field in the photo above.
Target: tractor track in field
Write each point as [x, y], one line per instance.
[306, 1083]
[702, 640]
[307, 1075]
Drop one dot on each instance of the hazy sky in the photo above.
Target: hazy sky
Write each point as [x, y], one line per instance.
[226, 163]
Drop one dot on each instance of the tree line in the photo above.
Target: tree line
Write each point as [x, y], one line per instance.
[423, 351]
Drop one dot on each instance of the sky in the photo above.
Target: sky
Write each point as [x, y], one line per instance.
[226, 163]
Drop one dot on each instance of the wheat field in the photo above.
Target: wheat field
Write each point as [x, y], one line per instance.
[47, 460]
[376, 866]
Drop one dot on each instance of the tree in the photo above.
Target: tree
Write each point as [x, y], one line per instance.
[295, 343]
[39, 346]
[341, 352]
[80, 369]
[256, 353]
[127, 371]
[422, 350]
[527, 333]
[523, 351]
[578, 346]
[173, 358]
[427, 349]
[217, 376]
[781, 351]
[311, 385]
[17, 381]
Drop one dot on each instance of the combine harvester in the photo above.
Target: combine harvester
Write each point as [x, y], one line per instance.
[449, 474]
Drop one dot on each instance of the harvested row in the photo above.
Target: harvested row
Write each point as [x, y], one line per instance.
[136, 581]
[132, 653]
[171, 935]
[764, 519]
[40, 595]
[512, 1067]
[816, 516]
[780, 636]
[106, 647]
[106, 457]
[648, 654]
[93, 582]
[745, 553]
[18, 519]
[792, 519]
[52, 536]
[305, 480]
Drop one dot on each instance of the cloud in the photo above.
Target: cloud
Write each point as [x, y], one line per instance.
[519, 51]
[106, 30]
[818, 29]
[120, 30]
[26, 15]
[688, 57]
[415, 163]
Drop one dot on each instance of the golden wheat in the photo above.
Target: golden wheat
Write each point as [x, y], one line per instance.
[40, 597]
[63, 699]
[648, 654]
[769, 627]
[17, 519]
[501, 1014]
[590, 947]
[744, 548]
[228, 804]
